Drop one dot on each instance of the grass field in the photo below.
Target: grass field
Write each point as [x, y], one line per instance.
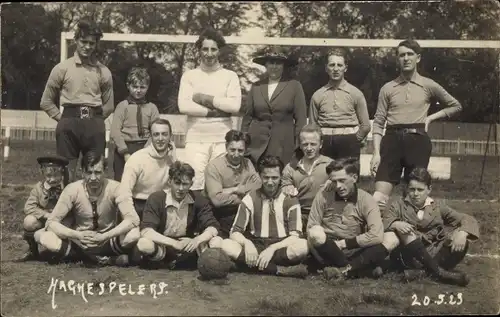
[25, 287]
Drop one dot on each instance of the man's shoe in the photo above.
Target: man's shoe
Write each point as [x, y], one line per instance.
[410, 275]
[299, 271]
[121, 260]
[453, 278]
[336, 273]
[377, 272]
[28, 256]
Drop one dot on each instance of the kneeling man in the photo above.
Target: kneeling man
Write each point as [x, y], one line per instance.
[433, 235]
[345, 229]
[172, 218]
[268, 226]
[95, 206]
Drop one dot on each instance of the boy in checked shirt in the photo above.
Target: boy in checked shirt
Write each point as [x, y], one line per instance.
[42, 199]
[130, 129]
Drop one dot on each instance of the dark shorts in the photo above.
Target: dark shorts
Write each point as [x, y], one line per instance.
[262, 243]
[139, 205]
[111, 247]
[225, 216]
[400, 150]
[75, 135]
[341, 146]
[119, 160]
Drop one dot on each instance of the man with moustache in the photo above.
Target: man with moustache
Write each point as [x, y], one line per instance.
[208, 95]
[146, 171]
[403, 104]
[105, 223]
[304, 176]
[340, 110]
[84, 88]
[228, 178]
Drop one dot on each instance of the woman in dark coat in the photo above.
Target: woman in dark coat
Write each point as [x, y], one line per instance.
[275, 110]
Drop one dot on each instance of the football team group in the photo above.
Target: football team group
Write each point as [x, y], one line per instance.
[277, 196]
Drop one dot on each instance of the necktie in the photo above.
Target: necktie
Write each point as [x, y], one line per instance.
[139, 103]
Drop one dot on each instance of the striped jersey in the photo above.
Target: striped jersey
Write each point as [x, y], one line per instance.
[264, 217]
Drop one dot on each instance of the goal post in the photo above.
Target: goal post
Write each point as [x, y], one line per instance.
[440, 167]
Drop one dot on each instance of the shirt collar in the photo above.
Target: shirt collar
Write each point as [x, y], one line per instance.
[170, 201]
[231, 166]
[299, 164]
[78, 60]
[428, 202]
[131, 100]
[353, 198]
[214, 68]
[415, 78]
[342, 86]
[265, 197]
[46, 186]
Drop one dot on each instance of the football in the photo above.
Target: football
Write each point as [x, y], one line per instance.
[214, 264]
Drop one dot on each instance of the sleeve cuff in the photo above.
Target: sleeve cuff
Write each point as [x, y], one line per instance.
[351, 243]
[123, 152]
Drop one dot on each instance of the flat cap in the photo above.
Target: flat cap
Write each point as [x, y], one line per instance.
[53, 160]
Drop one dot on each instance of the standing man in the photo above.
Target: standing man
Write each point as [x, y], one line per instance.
[105, 223]
[228, 178]
[340, 110]
[208, 95]
[403, 104]
[304, 177]
[146, 171]
[84, 87]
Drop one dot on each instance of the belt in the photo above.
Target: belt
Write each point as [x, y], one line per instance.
[339, 131]
[81, 111]
[407, 128]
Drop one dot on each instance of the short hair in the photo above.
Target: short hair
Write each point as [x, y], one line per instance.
[211, 34]
[312, 128]
[420, 174]
[235, 135]
[87, 27]
[180, 169]
[269, 161]
[350, 164]
[338, 51]
[92, 158]
[138, 75]
[163, 122]
[411, 44]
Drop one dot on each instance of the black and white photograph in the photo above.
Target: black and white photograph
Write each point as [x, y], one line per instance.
[244, 158]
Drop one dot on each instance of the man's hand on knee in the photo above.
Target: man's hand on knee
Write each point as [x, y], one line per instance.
[316, 235]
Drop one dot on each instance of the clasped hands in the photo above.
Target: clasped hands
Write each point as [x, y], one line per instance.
[91, 239]
[254, 259]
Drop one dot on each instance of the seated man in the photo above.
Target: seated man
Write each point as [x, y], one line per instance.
[345, 229]
[172, 218]
[228, 178]
[96, 208]
[266, 232]
[433, 234]
[43, 197]
[303, 177]
[146, 171]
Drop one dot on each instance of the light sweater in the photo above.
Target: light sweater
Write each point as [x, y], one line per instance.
[146, 172]
[219, 82]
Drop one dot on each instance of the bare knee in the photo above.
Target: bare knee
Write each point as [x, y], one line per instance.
[215, 242]
[231, 248]
[407, 238]
[316, 236]
[391, 241]
[30, 223]
[50, 241]
[146, 246]
[298, 250]
[131, 237]
[38, 234]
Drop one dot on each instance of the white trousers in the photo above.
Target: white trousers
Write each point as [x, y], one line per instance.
[198, 155]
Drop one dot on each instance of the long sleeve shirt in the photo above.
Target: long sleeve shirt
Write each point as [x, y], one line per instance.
[340, 107]
[146, 172]
[124, 125]
[39, 202]
[110, 204]
[307, 183]
[220, 174]
[407, 102]
[438, 219]
[221, 83]
[76, 83]
[357, 219]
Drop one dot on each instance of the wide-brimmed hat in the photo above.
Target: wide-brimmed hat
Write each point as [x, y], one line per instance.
[275, 54]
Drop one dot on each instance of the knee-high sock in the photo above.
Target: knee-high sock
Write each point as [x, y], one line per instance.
[370, 256]
[280, 258]
[29, 236]
[448, 259]
[417, 250]
[271, 268]
[331, 253]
